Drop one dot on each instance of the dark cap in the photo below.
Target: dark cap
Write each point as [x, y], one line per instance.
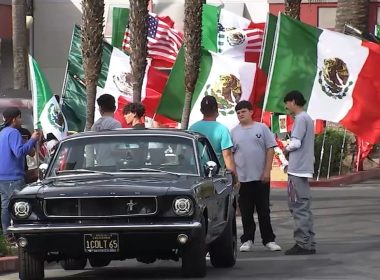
[209, 104]
[10, 113]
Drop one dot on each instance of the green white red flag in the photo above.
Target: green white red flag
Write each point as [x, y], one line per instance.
[336, 73]
[47, 113]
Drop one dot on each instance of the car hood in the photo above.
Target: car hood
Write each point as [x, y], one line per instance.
[111, 187]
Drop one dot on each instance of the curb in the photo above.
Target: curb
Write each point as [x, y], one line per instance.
[8, 264]
[338, 181]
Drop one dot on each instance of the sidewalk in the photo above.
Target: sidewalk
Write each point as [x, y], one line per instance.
[338, 181]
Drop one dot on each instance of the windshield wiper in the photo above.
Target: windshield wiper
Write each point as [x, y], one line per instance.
[144, 169]
[76, 171]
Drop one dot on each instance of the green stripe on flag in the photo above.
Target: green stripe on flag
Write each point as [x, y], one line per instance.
[266, 54]
[75, 62]
[41, 90]
[210, 19]
[294, 65]
[173, 97]
[120, 19]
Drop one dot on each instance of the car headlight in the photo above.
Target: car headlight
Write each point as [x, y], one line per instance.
[183, 206]
[22, 209]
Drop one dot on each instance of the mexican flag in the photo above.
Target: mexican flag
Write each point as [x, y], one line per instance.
[336, 73]
[230, 34]
[47, 113]
[227, 84]
[115, 78]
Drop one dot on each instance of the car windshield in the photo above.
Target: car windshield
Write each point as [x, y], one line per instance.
[113, 154]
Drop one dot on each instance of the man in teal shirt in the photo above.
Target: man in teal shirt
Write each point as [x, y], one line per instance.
[216, 133]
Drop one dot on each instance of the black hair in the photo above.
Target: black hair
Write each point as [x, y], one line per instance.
[209, 105]
[244, 104]
[136, 108]
[9, 114]
[295, 95]
[106, 102]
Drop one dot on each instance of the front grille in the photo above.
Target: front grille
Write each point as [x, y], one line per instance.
[100, 206]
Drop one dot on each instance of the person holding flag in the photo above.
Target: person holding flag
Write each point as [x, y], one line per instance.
[12, 164]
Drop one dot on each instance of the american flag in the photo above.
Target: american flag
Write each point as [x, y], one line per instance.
[164, 41]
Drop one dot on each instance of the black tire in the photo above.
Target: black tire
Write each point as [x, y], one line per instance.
[31, 266]
[99, 262]
[223, 251]
[73, 264]
[194, 256]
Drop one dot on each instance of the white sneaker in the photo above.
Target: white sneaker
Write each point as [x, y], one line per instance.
[272, 246]
[246, 246]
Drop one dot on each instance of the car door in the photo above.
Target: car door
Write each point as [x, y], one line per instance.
[221, 189]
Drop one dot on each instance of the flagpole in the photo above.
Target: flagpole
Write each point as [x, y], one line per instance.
[321, 156]
[341, 151]
[329, 166]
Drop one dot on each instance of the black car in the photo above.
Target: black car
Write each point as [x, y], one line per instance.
[131, 193]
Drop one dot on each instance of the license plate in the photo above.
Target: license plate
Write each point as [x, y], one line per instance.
[101, 243]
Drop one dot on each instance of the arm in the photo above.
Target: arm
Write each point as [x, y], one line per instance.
[229, 160]
[268, 165]
[18, 148]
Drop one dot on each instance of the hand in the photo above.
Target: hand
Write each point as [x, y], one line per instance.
[36, 135]
[265, 178]
[286, 154]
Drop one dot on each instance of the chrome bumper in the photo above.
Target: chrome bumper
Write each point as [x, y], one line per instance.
[61, 228]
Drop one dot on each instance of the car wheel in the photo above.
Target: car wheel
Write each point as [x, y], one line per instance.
[223, 251]
[194, 255]
[73, 264]
[31, 265]
[99, 262]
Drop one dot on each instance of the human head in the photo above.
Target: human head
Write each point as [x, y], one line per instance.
[294, 101]
[12, 117]
[244, 111]
[133, 111]
[106, 103]
[209, 106]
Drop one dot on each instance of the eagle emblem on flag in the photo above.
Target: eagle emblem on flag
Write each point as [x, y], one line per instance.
[123, 82]
[227, 92]
[334, 78]
[56, 118]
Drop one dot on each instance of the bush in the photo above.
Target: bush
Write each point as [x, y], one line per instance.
[334, 139]
[3, 245]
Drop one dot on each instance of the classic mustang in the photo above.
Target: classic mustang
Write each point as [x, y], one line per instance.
[146, 194]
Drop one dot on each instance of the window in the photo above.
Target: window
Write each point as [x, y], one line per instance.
[326, 17]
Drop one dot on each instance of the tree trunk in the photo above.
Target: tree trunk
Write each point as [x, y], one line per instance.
[192, 42]
[19, 45]
[293, 8]
[92, 45]
[352, 12]
[138, 26]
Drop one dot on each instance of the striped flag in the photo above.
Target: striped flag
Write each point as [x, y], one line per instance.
[164, 41]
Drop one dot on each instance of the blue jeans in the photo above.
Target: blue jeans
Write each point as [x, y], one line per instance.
[7, 188]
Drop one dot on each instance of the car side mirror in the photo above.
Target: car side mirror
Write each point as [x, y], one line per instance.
[210, 168]
[43, 168]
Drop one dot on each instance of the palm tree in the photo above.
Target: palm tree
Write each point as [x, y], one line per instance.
[92, 40]
[293, 8]
[138, 26]
[192, 42]
[19, 44]
[352, 12]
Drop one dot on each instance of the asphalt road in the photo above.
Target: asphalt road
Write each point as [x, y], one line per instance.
[347, 225]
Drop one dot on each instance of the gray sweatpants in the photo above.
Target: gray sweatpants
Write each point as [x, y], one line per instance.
[299, 201]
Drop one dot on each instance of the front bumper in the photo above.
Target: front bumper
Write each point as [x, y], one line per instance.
[61, 228]
[134, 239]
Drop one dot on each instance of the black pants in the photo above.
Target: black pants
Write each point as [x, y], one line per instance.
[255, 194]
